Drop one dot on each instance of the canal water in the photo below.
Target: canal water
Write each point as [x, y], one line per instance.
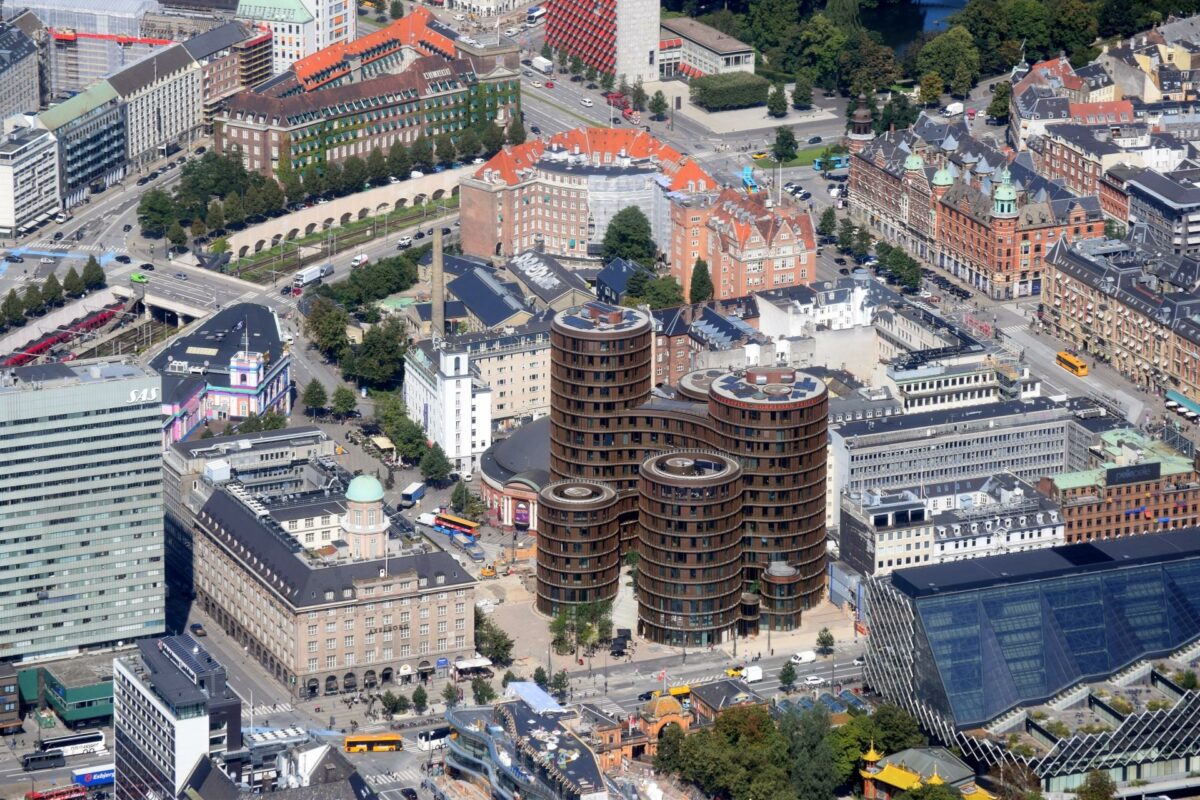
[899, 23]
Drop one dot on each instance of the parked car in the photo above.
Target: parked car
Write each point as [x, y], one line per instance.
[416, 173]
[197, 629]
[534, 129]
[419, 235]
[405, 241]
[123, 259]
[814, 140]
[46, 260]
[126, 228]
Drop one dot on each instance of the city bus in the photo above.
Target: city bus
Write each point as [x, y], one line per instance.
[1071, 363]
[435, 739]
[373, 743]
[450, 525]
[535, 15]
[46, 759]
[76, 744]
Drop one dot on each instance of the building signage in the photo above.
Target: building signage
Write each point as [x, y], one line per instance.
[143, 395]
[442, 663]
[1135, 473]
[521, 515]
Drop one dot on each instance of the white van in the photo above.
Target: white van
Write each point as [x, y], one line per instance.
[804, 657]
[752, 674]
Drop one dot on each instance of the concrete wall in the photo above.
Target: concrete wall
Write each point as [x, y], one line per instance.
[345, 210]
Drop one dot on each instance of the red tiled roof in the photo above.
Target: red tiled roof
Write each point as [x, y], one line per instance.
[1055, 67]
[1101, 113]
[741, 214]
[684, 173]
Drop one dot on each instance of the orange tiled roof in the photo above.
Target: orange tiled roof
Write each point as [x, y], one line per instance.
[412, 30]
[1057, 67]
[684, 173]
[1099, 113]
[742, 214]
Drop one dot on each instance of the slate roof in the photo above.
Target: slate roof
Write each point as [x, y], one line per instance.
[15, 47]
[454, 309]
[526, 451]
[616, 274]
[217, 39]
[544, 276]
[157, 65]
[485, 297]
[725, 693]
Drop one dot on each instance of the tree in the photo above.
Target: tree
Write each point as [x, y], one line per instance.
[547, 52]
[895, 729]
[670, 749]
[637, 96]
[862, 242]
[575, 65]
[1096, 786]
[232, 208]
[846, 231]
[561, 684]
[607, 81]
[787, 676]
[176, 234]
[866, 65]
[354, 174]
[450, 695]
[898, 114]
[516, 132]
[659, 105]
[563, 59]
[820, 45]
[379, 360]
[825, 638]
[93, 274]
[198, 228]
[32, 300]
[827, 224]
[468, 143]
[219, 245]
[960, 84]
[156, 211]
[396, 9]
[290, 182]
[937, 791]
[314, 397]
[664, 292]
[777, 104]
[421, 154]
[539, 677]
[807, 734]
[444, 145]
[252, 203]
[460, 497]
[509, 677]
[931, 88]
[434, 464]
[482, 691]
[623, 87]
[377, 167]
[491, 137]
[946, 52]
[590, 74]
[334, 178]
[998, 108]
[784, 148]
[72, 284]
[802, 92]
[52, 291]
[701, 288]
[273, 199]
[420, 700]
[398, 162]
[314, 182]
[13, 309]
[767, 20]
[326, 327]
[731, 90]
[492, 641]
[344, 401]
[215, 218]
[629, 237]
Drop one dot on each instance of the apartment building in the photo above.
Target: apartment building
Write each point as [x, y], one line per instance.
[20, 83]
[90, 131]
[1080, 155]
[172, 709]
[28, 179]
[449, 400]
[1138, 486]
[1052, 92]
[84, 467]
[293, 29]
[559, 193]
[232, 57]
[360, 614]
[1168, 204]
[163, 96]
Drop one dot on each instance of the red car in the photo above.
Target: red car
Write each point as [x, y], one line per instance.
[549, 84]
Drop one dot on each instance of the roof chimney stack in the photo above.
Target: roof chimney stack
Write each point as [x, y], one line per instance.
[438, 295]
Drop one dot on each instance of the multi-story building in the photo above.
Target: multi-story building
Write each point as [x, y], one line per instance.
[748, 246]
[28, 178]
[923, 381]
[358, 614]
[232, 57]
[961, 204]
[293, 29]
[1080, 155]
[1052, 91]
[684, 335]
[1168, 204]
[172, 709]
[336, 21]
[450, 401]
[617, 37]
[90, 131]
[690, 48]
[84, 470]
[20, 83]
[1128, 304]
[1058, 662]
[559, 193]
[79, 58]
[10, 699]
[274, 124]
[882, 531]
[1138, 486]
[163, 96]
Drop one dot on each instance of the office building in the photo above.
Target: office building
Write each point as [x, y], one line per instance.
[28, 179]
[172, 708]
[1168, 204]
[84, 471]
[692, 49]
[1058, 661]
[20, 83]
[452, 404]
[90, 130]
[293, 29]
[232, 57]
[77, 59]
[163, 95]
[1138, 486]
[10, 699]
[617, 37]
[557, 194]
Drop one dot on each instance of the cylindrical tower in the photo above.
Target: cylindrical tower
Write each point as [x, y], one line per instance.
[578, 559]
[774, 420]
[689, 577]
[600, 366]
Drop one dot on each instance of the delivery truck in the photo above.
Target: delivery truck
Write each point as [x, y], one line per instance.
[543, 65]
[411, 494]
[311, 275]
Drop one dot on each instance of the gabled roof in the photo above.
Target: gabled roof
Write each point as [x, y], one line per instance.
[485, 297]
[740, 216]
[217, 39]
[155, 66]
[616, 274]
[544, 276]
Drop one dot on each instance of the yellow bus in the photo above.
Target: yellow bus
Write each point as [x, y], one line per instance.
[1072, 364]
[682, 692]
[452, 524]
[373, 742]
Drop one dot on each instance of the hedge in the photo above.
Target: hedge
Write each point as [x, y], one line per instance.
[728, 91]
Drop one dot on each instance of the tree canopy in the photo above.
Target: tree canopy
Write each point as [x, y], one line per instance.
[629, 237]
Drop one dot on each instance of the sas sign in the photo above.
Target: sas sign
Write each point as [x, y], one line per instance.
[143, 395]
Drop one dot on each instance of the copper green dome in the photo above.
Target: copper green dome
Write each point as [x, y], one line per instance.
[943, 177]
[914, 162]
[364, 489]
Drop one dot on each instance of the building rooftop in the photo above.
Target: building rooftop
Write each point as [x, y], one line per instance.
[767, 386]
[179, 671]
[526, 453]
[293, 11]
[925, 419]
[707, 37]
[1127, 456]
[19, 139]
[217, 446]
[486, 298]
[601, 319]
[725, 693]
[59, 375]
[217, 39]
[156, 65]
[15, 47]
[545, 276]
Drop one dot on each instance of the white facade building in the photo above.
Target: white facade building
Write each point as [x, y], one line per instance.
[28, 179]
[637, 40]
[293, 29]
[163, 95]
[449, 401]
[335, 21]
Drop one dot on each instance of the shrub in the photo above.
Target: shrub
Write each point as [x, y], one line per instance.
[729, 91]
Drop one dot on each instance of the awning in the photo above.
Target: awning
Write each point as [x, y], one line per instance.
[405, 669]
[383, 443]
[1184, 402]
[472, 663]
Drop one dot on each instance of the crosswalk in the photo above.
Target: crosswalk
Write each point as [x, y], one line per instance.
[408, 776]
[50, 245]
[264, 710]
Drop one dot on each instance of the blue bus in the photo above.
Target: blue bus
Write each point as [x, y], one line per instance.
[535, 15]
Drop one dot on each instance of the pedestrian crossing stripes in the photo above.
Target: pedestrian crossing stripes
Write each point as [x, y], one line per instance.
[263, 710]
[68, 246]
[410, 775]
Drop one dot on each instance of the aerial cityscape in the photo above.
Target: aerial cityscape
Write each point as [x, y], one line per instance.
[600, 400]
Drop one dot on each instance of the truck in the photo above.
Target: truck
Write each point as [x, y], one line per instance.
[467, 545]
[952, 109]
[631, 116]
[427, 518]
[311, 275]
[542, 65]
[752, 674]
[90, 777]
[411, 494]
[616, 100]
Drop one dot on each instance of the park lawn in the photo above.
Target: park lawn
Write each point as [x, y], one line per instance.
[804, 158]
